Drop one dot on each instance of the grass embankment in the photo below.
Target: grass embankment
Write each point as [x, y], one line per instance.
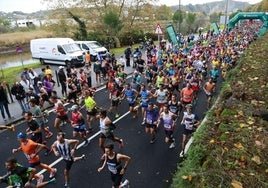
[231, 148]
[22, 38]
[11, 75]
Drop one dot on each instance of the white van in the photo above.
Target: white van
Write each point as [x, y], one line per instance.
[95, 49]
[60, 51]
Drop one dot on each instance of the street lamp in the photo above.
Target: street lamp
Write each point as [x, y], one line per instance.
[179, 24]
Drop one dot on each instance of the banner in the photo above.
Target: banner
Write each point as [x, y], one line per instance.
[172, 34]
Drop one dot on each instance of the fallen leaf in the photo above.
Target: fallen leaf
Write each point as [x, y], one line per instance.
[242, 125]
[256, 78]
[240, 112]
[266, 170]
[184, 177]
[256, 159]
[242, 158]
[260, 129]
[238, 145]
[258, 144]
[190, 178]
[236, 184]
[212, 141]
[250, 122]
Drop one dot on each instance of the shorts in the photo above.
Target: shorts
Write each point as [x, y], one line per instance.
[109, 135]
[116, 178]
[37, 138]
[93, 112]
[147, 125]
[161, 105]
[169, 134]
[63, 118]
[33, 165]
[115, 103]
[144, 105]
[187, 131]
[68, 164]
[132, 104]
[80, 129]
[185, 103]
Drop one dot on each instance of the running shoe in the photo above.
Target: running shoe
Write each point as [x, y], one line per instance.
[83, 157]
[53, 173]
[121, 144]
[86, 143]
[182, 153]
[152, 141]
[172, 145]
[49, 135]
[125, 183]
[66, 185]
[40, 179]
[12, 128]
[52, 181]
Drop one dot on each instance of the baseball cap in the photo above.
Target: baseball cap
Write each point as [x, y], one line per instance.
[22, 135]
[74, 107]
[189, 106]
[61, 67]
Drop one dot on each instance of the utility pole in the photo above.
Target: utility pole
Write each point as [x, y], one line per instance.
[226, 14]
[179, 23]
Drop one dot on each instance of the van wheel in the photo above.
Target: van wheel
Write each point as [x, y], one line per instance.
[42, 61]
[68, 64]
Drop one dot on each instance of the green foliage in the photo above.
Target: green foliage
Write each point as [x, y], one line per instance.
[82, 32]
[111, 19]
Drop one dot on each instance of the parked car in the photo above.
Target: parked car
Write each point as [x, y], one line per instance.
[95, 49]
[59, 51]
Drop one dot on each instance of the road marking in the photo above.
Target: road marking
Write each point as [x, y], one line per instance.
[89, 139]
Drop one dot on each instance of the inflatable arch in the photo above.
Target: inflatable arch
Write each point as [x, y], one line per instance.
[250, 15]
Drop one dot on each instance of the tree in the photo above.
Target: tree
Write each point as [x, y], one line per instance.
[190, 19]
[82, 34]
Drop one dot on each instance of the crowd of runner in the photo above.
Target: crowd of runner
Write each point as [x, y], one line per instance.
[164, 85]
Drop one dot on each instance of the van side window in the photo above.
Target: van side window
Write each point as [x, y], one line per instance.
[85, 47]
[60, 49]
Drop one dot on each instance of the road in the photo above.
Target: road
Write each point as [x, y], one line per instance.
[152, 165]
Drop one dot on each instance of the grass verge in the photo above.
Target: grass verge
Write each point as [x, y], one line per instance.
[231, 148]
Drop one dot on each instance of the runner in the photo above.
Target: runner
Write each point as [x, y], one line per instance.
[19, 176]
[145, 98]
[168, 119]
[174, 105]
[62, 147]
[187, 95]
[150, 121]
[78, 123]
[35, 131]
[209, 89]
[161, 97]
[39, 117]
[61, 112]
[114, 162]
[115, 99]
[189, 121]
[131, 95]
[31, 150]
[91, 108]
[106, 131]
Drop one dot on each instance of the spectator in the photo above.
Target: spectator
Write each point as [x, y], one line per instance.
[127, 56]
[4, 102]
[18, 91]
[62, 79]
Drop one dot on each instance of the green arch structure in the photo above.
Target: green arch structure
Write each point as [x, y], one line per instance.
[250, 15]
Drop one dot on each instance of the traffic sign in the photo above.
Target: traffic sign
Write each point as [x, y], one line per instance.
[158, 30]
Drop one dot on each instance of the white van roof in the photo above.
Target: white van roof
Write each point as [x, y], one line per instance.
[59, 40]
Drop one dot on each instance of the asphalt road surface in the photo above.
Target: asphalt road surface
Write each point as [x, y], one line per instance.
[152, 165]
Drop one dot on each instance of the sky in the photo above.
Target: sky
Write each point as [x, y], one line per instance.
[28, 6]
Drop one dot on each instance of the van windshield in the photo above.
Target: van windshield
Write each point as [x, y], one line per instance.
[94, 45]
[70, 48]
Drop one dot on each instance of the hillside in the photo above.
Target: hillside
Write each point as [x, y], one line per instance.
[217, 6]
[231, 148]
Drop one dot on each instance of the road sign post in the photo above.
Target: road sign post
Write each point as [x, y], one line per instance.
[19, 51]
[158, 31]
